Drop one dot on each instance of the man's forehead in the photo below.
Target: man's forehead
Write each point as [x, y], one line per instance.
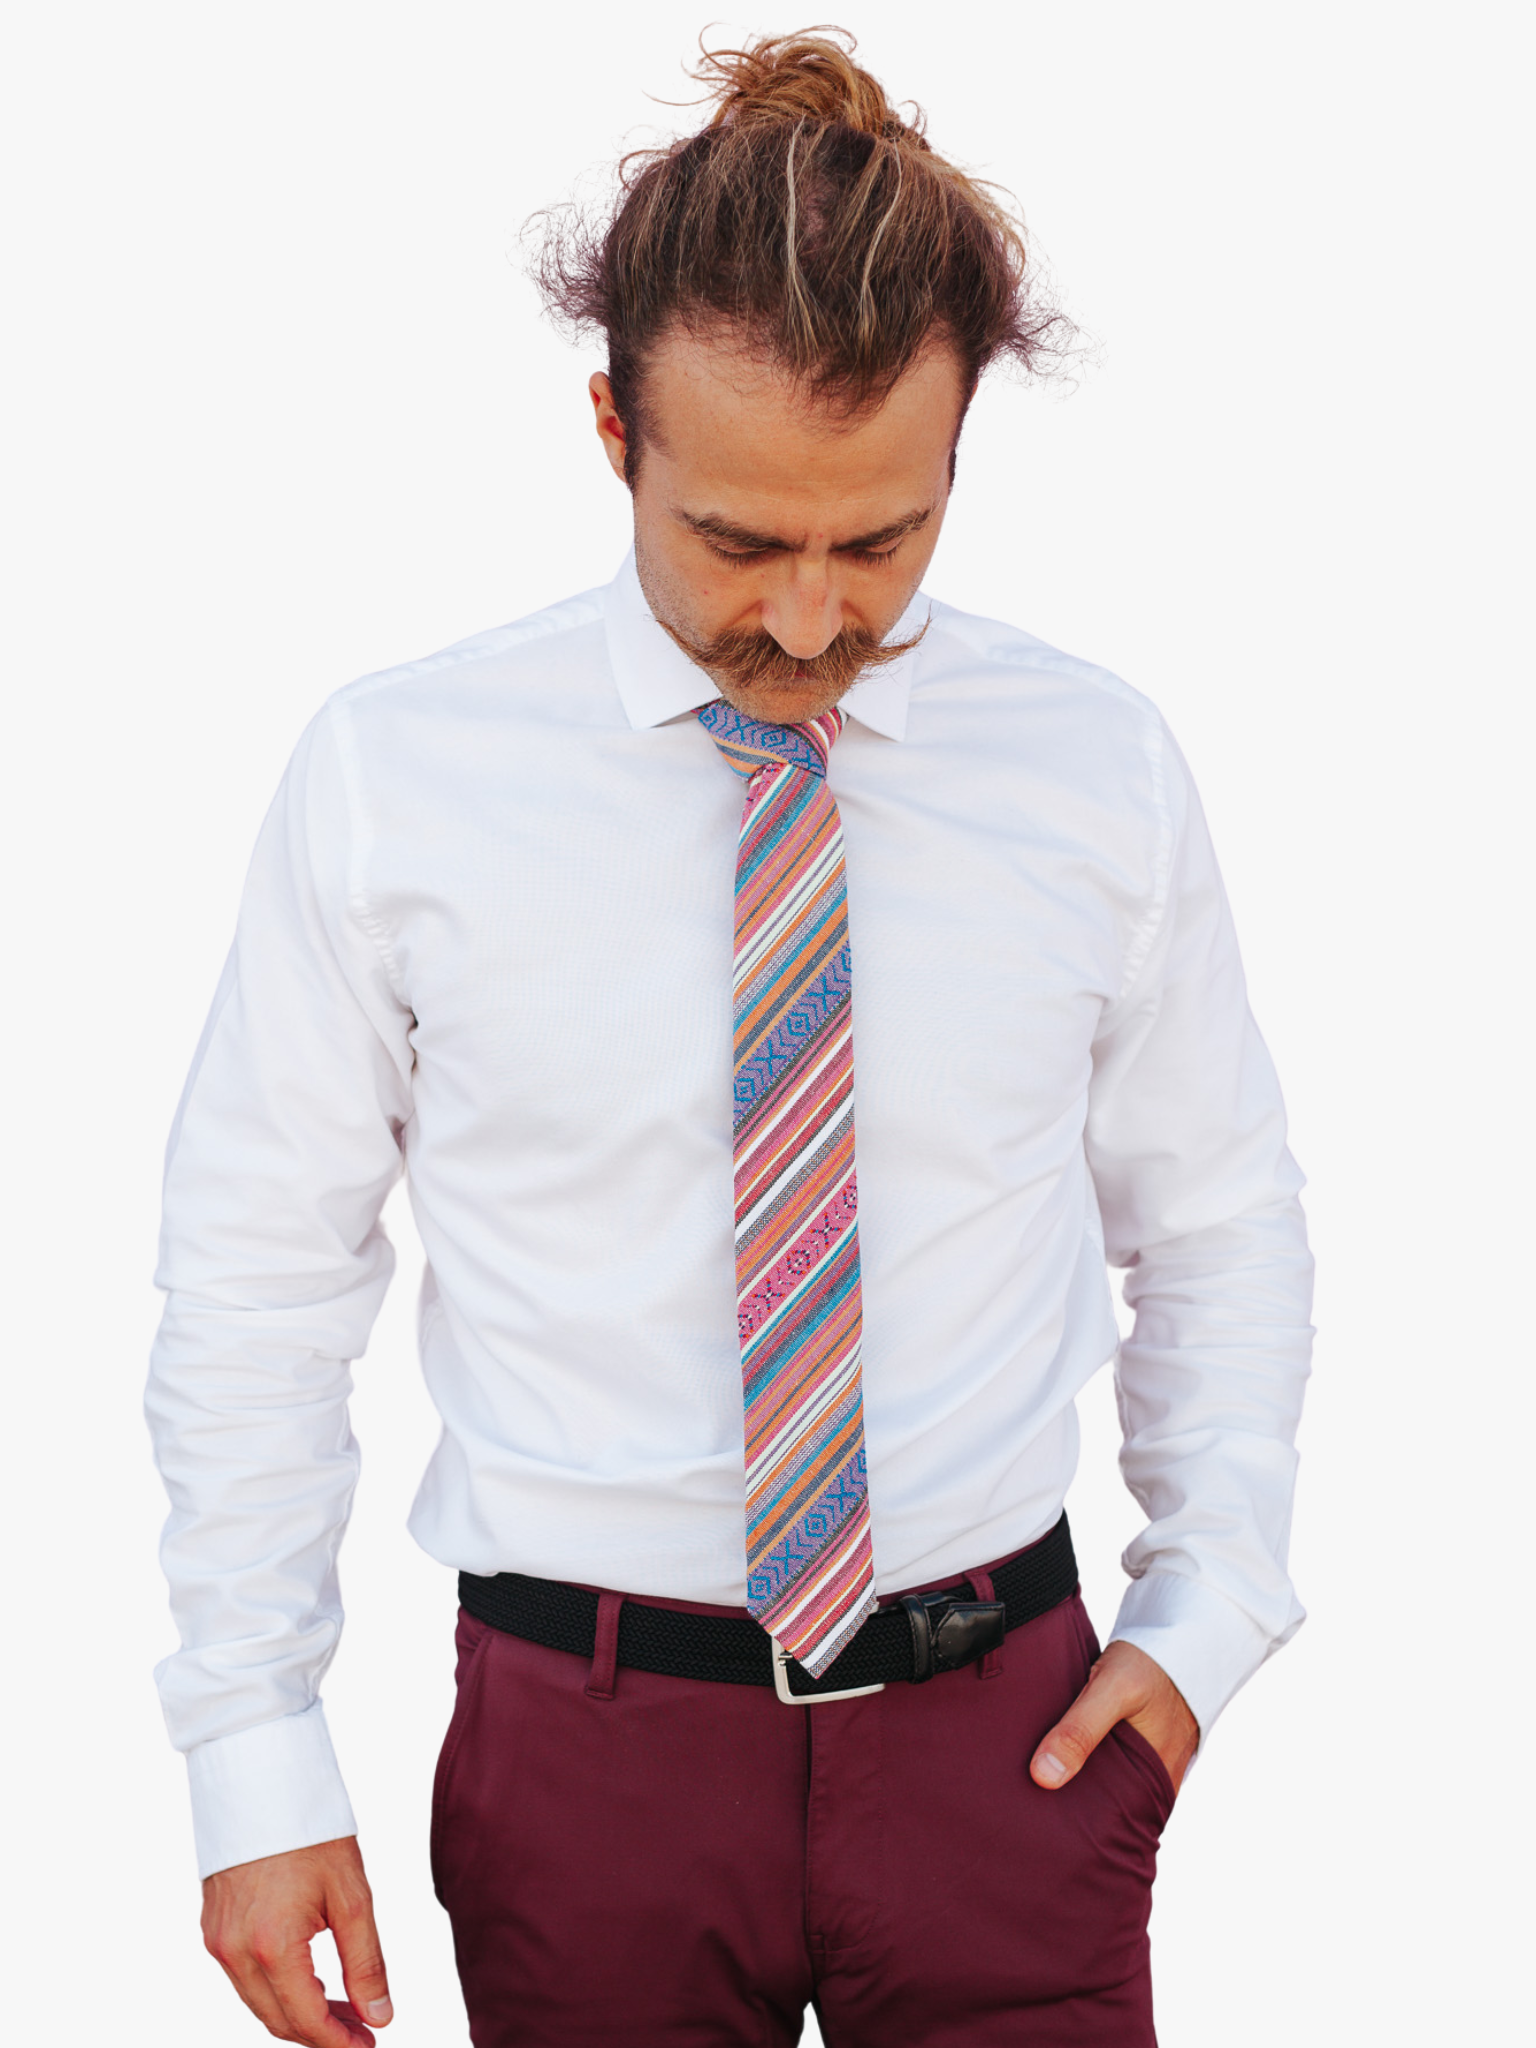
[717, 408]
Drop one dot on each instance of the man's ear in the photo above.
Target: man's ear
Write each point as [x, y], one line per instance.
[610, 428]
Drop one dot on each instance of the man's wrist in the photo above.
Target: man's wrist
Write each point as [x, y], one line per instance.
[266, 1790]
[1203, 1641]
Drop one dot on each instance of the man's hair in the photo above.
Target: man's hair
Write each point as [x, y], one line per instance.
[811, 222]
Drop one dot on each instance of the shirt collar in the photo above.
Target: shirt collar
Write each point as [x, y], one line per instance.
[656, 680]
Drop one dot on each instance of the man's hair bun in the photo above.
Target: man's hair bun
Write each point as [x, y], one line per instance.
[806, 77]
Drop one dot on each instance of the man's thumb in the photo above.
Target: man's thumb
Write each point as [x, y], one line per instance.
[362, 1961]
[1063, 1752]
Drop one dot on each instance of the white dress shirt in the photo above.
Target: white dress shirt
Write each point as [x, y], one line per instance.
[487, 938]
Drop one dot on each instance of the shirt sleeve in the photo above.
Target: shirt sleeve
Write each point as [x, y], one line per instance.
[287, 1140]
[1199, 1196]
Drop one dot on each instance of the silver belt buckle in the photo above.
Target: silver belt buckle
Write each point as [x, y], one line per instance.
[781, 1663]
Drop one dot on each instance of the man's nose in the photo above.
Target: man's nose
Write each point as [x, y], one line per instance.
[805, 615]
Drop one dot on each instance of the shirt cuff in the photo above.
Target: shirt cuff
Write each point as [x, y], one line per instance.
[1207, 1645]
[266, 1790]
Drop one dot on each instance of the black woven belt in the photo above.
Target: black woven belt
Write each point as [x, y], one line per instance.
[916, 1637]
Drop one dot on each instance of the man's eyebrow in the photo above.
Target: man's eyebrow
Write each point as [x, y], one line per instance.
[712, 526]
[883, 535]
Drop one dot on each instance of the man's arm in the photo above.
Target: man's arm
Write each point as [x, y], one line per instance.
[286, 1143]
[1198, 1195]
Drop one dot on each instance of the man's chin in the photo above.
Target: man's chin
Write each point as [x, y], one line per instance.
[780, 703]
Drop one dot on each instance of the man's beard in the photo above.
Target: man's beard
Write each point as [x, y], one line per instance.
[747, 659]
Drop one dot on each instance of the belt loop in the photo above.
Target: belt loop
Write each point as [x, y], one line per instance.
[991, 1666]
[605, 1647]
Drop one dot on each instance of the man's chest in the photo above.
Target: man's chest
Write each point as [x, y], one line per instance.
[569, 963]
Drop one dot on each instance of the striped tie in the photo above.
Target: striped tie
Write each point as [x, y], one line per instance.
[810, 1566]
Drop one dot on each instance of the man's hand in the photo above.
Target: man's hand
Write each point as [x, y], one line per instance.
[258, 1921]
[1125, 1685]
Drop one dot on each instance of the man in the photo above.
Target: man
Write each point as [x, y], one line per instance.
[775, 1688]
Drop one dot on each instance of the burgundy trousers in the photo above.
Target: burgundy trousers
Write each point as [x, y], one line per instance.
[636, 1861]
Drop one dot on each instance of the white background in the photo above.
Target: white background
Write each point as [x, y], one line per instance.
[282, 410]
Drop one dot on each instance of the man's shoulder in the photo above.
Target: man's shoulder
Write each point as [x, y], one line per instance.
[961, 642]
[990, 685]
[498, 665]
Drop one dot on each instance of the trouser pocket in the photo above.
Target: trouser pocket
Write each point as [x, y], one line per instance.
[474, 1642]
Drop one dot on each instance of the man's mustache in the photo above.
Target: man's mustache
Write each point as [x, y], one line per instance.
[751, 657]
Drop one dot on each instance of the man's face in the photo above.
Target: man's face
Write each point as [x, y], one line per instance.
[780, 543]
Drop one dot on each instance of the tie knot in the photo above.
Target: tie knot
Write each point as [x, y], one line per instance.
[750, 744]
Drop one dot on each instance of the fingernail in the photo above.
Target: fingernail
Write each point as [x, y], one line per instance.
[1050, 1766]
[380, 2011]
